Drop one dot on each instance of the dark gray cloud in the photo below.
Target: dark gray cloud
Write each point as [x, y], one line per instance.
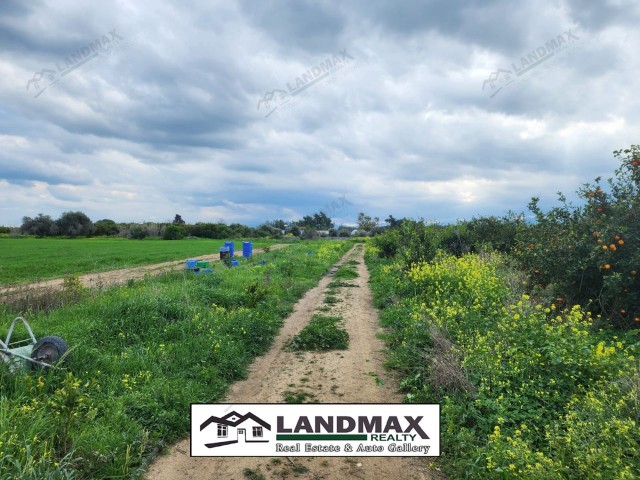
[176, 118]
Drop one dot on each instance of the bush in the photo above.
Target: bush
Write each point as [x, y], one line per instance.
[138, 232]
[173, 232]
[106, 227]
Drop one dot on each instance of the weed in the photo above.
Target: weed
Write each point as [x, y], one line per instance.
[340, 283]
[251, 474]
[346, 273]
[299, 397]
[322, 333]
[331, 300]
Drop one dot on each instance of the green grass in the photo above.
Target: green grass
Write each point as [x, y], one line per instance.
[345, 273]
[331, 299]
[299, 397]
[28, 259]
[140, 355]
[340, 283]
[321, 333]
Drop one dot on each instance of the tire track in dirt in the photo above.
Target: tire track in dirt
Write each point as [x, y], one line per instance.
[108, 278]
[355, 375]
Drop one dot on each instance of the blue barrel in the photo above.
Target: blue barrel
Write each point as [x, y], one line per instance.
[234, 263]
[231, 248]
[247, 249]
[224, 253]
[191, 264]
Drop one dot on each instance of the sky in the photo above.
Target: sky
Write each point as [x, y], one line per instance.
[245, 111]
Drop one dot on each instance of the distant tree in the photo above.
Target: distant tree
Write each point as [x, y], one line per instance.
[41, 226]
[295, 230]
[173, 232]
[106, 227]
[366, 223]
[178, 220]
[5, 230]
[393, 222]
[319, 221]
[74, 224]
[279, 224]
[138, 232]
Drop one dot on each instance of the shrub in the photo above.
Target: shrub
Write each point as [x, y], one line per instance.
[173, 232]
[106, 227]
[138, 232]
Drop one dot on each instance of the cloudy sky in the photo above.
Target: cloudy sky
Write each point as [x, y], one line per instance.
[246, 111]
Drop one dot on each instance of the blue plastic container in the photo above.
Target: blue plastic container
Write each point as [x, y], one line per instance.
[191, 264]
[247, 249]
[231, 248]
[234, 263]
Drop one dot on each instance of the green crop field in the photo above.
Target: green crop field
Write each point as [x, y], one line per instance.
[28, 259]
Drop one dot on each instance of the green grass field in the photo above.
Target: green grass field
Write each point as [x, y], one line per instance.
[29, 259]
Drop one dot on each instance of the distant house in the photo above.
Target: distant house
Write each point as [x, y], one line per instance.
[233, 428]
[323, 233]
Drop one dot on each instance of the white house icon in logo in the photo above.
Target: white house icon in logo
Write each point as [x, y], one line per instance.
[233, 427]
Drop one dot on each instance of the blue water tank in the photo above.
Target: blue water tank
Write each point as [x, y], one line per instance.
[231, 248]
[234, 263]
[247, 249]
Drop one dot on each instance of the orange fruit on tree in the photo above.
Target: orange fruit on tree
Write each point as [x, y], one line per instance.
[637, 319]
[604, 247]
[606, 266]
[599, 192]
[613, 247]
[634, 273]
[600, 209]
[623, 312]
[620, 242]
[635, 163]
[617, 237]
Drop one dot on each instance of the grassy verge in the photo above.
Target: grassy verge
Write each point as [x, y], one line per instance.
[141, 353]
[526, 391]
[24, 260]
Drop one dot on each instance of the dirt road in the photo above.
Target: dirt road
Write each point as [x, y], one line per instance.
[112, 277]
[355, 375]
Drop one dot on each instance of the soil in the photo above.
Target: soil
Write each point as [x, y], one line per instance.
[355, 375]
[105, 279]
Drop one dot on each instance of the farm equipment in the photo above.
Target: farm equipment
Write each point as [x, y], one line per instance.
[29, 353]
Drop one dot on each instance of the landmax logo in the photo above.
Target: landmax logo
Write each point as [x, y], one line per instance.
[47, 77]
[502, 77]
[228, 431]
[309, 78]
[315, 429]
